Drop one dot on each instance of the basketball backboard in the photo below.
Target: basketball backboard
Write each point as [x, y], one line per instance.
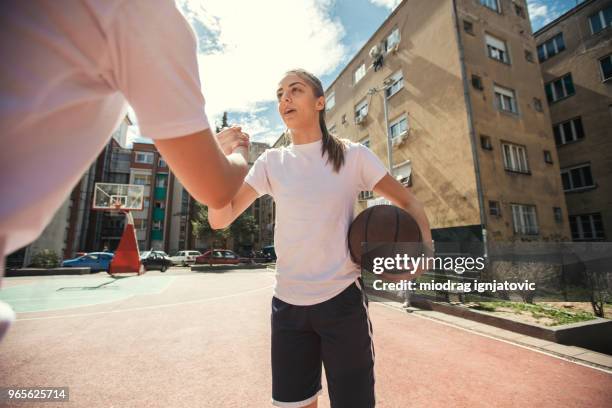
[113, 196]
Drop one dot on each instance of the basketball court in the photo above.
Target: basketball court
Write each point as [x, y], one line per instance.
[187, 339]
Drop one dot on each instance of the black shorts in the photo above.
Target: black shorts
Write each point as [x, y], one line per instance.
[336, 333]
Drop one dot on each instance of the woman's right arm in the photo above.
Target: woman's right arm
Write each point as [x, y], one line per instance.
[223, 217]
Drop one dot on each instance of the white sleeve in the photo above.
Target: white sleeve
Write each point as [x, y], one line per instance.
[370, 169]
[153, 56]
[257, 176]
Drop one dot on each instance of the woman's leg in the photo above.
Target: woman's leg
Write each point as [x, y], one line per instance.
[347, 348]
[296, 357]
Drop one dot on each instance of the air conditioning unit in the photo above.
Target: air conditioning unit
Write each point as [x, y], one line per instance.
[399, 140]
[375, 51]
[403, 180]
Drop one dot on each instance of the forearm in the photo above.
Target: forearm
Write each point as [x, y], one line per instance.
[417, 210]
[197, 160]
[221, 217]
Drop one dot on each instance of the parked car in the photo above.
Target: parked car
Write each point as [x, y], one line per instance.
[146, 253]
[269, 253]
[185, 257]
[97, 261]
[219, 257]
[152, 260]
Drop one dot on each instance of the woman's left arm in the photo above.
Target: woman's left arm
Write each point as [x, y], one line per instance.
[402, 197]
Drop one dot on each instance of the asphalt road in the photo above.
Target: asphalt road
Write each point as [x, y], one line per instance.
[187, 339]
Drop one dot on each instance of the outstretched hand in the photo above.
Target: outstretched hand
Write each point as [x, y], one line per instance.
[231, 138]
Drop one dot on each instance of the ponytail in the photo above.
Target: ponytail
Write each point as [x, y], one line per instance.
[333, 146]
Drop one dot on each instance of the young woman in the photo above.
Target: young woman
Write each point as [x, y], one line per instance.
[319, 307]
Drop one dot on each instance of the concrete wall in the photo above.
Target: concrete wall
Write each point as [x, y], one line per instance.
[591, 102]
[438, 143]
[529, 127]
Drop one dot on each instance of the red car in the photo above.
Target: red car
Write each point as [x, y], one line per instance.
[218, 257]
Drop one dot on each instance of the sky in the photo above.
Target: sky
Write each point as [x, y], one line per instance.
[242, 58]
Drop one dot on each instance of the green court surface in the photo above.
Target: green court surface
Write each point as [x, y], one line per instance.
[65, 293]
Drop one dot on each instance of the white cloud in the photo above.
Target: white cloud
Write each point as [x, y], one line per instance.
[254, 43]
[537, 10]
[390, 4]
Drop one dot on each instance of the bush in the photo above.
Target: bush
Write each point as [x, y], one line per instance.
[46, 258]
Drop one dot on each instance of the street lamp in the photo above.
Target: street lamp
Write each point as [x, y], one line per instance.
[387, 83]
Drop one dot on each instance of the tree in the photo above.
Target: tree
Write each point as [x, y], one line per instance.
[224, 123]
[241, 229]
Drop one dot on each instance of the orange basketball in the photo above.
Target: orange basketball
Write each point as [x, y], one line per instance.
[381, 225]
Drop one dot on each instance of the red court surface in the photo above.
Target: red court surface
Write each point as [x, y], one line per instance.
[204, 341]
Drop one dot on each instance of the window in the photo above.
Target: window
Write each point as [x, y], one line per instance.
[142, 179]
[558, 214]
[497, 49]
[537, 104]
[359, 73]
[587, 227]
[159, 204]
[560, 88]
[396, 84]
[144, 157]
[551, 47]
[492, 4]
[477, 82]
[229, 255]
[606, 67]
[146, 203]
[515, 158]
[157, 225]
[365, 142]
[140, 223]
[548, 157]
[485, 142]
[344, 118]
[528, 56]
[505, 99]
[392, 39]
[365, 195]
[600, 20]
[468, 27]
[332, 129]
[494, 208]
[524, 219]
[162, 163]
[577, 178]
[398, 127]
[160, 182]
[330, 101]
[361, 111]
[520, 11]
[568, 132]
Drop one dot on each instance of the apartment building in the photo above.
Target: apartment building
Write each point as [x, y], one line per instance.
[75, 227]
[575, 55]
[457, 87]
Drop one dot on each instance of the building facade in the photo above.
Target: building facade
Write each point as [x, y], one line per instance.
[457, 87]
[575, 54]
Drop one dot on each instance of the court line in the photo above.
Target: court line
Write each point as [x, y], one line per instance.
[537, 350]
[146, 307]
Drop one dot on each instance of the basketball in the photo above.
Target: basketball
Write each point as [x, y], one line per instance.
[383, 231]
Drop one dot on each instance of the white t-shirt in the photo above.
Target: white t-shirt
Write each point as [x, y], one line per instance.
[67, 71]
[314, 209]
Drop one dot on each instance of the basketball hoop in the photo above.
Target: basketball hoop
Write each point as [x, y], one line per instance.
[116, 206]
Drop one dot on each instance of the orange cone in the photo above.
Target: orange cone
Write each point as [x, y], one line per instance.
[127, 256]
